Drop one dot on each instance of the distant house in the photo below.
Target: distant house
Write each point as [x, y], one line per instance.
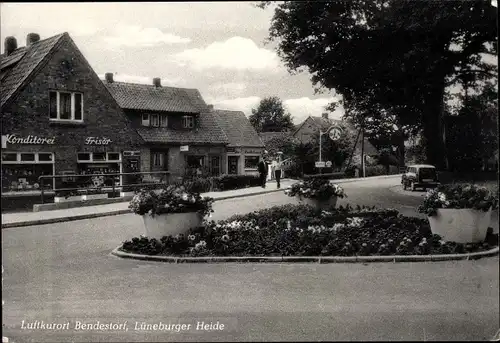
[267, 136]
[311, 126]
[245, 145]
[180, 130]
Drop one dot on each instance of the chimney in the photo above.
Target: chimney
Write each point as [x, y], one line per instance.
[10, 45]
[325, 115]
[210, 108]
[157, 82]
[109, 77]
[32, 38]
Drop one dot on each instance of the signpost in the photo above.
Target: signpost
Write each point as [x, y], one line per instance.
[328, 164]
[334, 132]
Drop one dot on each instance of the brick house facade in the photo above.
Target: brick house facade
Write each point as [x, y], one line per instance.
[49, 91]
[181, 134]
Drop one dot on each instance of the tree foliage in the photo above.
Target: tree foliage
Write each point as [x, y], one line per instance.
[271, 116]
[391, 54]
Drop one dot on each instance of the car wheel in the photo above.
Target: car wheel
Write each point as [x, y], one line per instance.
[412, 186]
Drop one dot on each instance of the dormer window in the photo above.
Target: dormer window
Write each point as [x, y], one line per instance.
[154, 120]
[145, 119]
[187, 122]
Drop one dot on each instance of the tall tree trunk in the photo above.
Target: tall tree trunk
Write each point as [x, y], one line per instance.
[432, 121]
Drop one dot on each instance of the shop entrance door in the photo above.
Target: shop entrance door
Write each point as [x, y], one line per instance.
[232, 164]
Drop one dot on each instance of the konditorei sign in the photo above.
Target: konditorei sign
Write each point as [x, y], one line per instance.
[97, 141]
[15, 139]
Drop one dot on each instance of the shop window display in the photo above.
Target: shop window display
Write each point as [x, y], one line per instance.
[21, 171]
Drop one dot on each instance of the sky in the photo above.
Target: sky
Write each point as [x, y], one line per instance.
[216, 47]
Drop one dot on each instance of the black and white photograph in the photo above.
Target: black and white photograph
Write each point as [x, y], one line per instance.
[250, 171]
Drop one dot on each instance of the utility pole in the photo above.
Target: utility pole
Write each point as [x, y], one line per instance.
[363, 146]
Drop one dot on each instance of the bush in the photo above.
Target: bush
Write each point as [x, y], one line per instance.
[301, 230]
[315, 189]
[328, 176]
[458, 196]
[375, 170]
[230, 182]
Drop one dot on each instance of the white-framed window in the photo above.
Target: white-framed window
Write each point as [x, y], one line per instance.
[163, 120]
[98, 157]
[251, 162]
[27, 157]
[158, 160]
[154, 120]
[145, 119]
[21, 171]
[187, 122]
[66, 106]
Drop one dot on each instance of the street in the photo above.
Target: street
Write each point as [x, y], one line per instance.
[64, 272]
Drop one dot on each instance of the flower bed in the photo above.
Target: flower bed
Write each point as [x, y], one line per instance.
[300, 230]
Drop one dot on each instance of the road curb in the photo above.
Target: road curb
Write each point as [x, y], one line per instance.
[126, 211]
[116, 212]
[308, 259]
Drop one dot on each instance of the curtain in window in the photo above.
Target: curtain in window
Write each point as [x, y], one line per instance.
[53, 105]
[78, 106]
[65, 105]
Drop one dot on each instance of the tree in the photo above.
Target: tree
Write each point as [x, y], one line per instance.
[389, 53]
[270, 116]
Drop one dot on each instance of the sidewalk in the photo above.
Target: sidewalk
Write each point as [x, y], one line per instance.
[10, 220]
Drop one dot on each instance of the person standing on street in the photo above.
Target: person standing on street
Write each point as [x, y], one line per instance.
[262, 167]
[277, 170]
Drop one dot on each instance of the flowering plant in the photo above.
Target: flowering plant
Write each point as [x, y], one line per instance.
[172, 199]
[320, 189]
[458, 196]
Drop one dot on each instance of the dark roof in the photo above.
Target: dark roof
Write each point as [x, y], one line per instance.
[133, 96]
[208, 132]
[238, 129]
[369, 148]
[16, 68]
[267, 136]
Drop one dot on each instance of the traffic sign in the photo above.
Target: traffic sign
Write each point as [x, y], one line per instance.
[328, 164]
[335, 133]
[320, 164]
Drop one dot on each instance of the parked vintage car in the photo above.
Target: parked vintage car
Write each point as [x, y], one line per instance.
[420, 176]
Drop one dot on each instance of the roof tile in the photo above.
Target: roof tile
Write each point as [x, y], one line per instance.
[238, 129]
[19, 65]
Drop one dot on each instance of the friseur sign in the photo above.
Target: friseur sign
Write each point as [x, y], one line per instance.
[97, 141]
[14, 139]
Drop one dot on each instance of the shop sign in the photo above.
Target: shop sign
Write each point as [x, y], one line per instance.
[131, 153]
[184, 147]
[97, 141]
[14, 139]
[253, 151]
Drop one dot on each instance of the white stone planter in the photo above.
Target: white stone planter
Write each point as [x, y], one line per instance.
[64, 199]
[94, 196]
[332, 202]
[460, 225]
[126, 194]
[170, 224]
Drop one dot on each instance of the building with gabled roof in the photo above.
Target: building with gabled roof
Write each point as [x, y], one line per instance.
[57, 116]
[245, 145]
[180, 130]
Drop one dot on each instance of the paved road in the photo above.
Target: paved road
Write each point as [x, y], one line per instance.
[63, 273]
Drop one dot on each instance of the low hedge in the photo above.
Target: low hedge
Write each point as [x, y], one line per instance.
[300, 230]
[230, 182]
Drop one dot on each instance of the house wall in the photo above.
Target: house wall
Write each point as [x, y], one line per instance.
[307, 131]
[28, 113]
